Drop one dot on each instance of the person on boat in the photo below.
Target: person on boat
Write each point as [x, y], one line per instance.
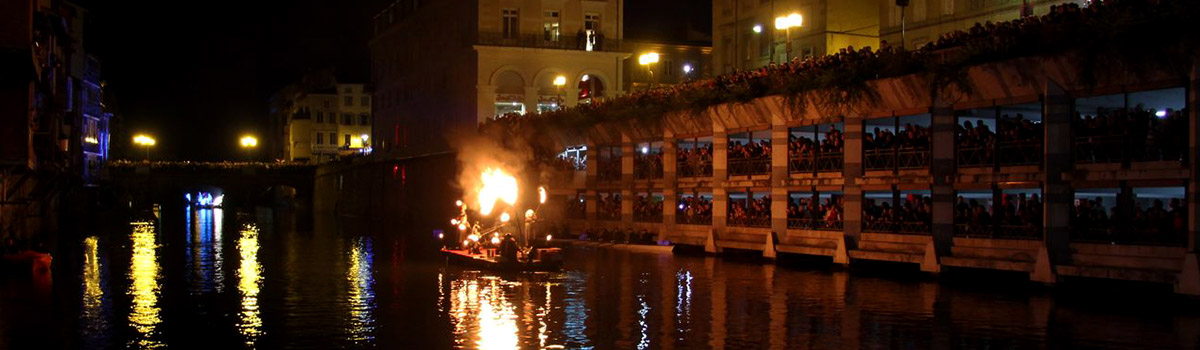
[508, 248]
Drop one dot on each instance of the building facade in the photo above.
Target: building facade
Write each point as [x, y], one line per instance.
[924, 21]
[320, 119]
[53, 124]
[500, 57]
[745, 35]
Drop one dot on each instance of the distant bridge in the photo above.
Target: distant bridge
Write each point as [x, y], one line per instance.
[242, 183]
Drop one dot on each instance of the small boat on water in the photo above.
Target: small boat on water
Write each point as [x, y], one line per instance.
[30, 261]
[542, 260]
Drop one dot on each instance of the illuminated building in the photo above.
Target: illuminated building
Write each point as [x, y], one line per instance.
[927, 20]
[745, 35]
[498, 57]
[319, 119]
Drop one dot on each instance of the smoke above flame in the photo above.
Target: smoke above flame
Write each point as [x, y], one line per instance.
[496, 185]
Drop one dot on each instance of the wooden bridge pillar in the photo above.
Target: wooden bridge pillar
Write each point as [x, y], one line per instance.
[1189, 278]
[1057, 192]
[670, 193]
[591, 196]
[853, 195]
[779, 181]
[943, 170]
[628, 150]
[720, 202]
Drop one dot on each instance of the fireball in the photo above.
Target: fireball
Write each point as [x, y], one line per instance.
[541, 195]
[497, 186]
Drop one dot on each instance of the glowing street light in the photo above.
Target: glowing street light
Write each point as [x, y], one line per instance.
[560, 81]
[249, 141]
[757, 28]
[786, 23]
[647, 59]
[145, 141]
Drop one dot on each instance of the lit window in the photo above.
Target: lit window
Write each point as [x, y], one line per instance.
[550, 28]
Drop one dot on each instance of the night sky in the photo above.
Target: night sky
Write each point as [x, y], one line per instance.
[198, 74]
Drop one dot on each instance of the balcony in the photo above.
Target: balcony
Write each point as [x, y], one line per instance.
[538, 41]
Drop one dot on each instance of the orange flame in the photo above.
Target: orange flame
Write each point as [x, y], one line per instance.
[497, 186]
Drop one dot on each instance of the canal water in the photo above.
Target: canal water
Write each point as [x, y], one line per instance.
[210, 278]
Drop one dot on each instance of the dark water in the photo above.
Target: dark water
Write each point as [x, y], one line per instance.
[214, 279]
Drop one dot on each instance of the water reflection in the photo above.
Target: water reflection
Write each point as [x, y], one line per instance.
[205, 254]
[143, 284]
[249, 282]
[361, 300]
[94, 311]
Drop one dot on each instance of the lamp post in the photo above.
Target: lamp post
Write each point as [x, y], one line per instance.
[648, 59]
[145, 141]
[249, 143]
[559, 82]
[786, 23]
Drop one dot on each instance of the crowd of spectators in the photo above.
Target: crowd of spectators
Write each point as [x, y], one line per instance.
[646, 209]
[609, 168]
[806, 154]
[1016, 217]
[695, 162]
[750, 212]
[222, 165]
[576, 208]
[808, 213]
[885, 149]
[1136, 134]
[1017, 140]
[752, 157]
[1129, 222]
[648, 165]
[913, 215]
[608, 207]
[694, 210]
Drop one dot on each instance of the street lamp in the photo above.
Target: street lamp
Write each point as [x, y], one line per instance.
[249, 141]
[144, 141]
[647, 59]
[559, 82]
[786, 23]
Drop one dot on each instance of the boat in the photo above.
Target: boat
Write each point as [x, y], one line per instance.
[34, 262]
[545, 260]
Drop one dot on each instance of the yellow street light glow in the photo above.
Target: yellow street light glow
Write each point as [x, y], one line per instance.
[560, 81]
[364, 137]
[648, 58]
[789, 21]
[144, 140]
[757, 28]
[249, 141]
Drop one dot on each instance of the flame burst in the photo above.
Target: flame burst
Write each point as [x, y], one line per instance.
[542, 195]
[497, 186]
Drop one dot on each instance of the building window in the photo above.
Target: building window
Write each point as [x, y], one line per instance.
[363, 120]
[326, 104]
[347, 138]
[320, 117]
[550, 26]
[349, 101]
[591, 28]
[669, 68]
[347, 119]
[320, 138]
[365, 101]
[947, 7]
[509, 19]
[503, 108]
